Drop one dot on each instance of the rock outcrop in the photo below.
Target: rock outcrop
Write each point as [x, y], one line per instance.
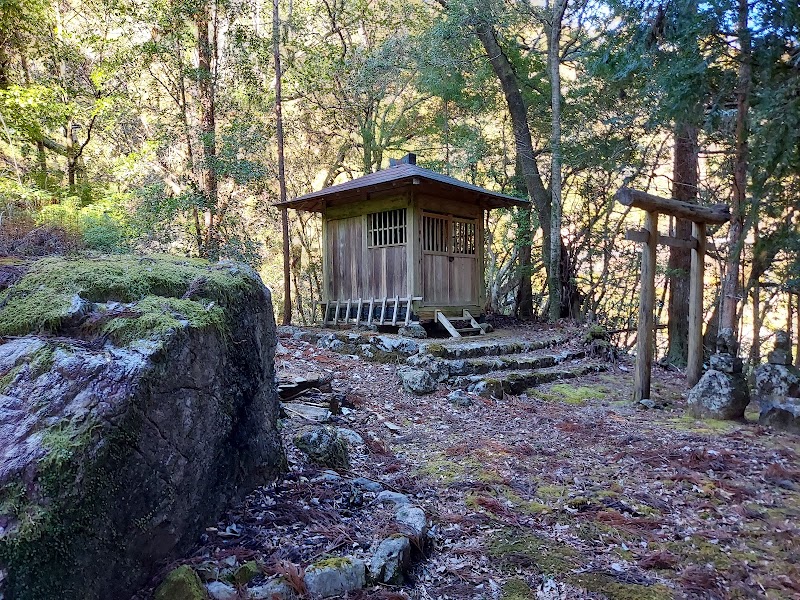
[137, 400]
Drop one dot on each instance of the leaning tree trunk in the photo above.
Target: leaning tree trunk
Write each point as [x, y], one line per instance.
[730, 284]
[525, 154]
[684, 187]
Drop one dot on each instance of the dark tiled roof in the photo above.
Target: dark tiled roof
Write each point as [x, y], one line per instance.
[398, 175]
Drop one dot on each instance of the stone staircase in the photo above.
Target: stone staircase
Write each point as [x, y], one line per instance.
[492, 366]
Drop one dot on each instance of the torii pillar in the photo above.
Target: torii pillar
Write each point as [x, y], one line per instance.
[699, 216]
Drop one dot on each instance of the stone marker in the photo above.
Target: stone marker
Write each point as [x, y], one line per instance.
[777, 387]
[722, 392]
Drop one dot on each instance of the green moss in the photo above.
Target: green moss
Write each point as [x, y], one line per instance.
[596, 332]
[613, 589]
[335, 562]
[530, 507]
[551, 492]
[42, 299]
[435, 349]
[707, 426]
[698, 550]
[158, 316]
[550, 557]
[52, 534]
[572, 394]
[593, 531]
[448, 471]
[517, 589]
[42, 361]
[181, 584]
[12, 499]
[246, 573]
[8, 378]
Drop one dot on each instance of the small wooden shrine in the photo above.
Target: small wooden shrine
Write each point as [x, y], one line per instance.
[402, 245]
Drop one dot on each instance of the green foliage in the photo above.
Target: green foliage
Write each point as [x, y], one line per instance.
[103, 225]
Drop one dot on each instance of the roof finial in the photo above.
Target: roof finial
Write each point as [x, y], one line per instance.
[408, 159]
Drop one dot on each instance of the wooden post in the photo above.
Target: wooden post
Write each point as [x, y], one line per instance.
[644, 340]
[336, 315]
[694, 365]
[371, 308]
[396, 308]
[358, 311]
[347, 312]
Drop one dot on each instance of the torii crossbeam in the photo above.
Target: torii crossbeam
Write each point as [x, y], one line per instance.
[699, 216]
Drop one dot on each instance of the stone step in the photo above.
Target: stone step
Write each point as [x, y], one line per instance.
[454, 349]
[516, 382]
[468, 330]
[537, 359]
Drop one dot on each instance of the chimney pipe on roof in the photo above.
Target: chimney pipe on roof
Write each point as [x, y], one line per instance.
[408, 159]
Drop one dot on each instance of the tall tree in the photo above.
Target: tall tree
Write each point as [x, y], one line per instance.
[208, 127]
[518, 111]
[685, 175]
[730, 284]
[554, 64]
[276, 50]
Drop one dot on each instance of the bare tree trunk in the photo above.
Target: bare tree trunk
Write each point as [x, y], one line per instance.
[730, 284]
[276, 49]
[208, 143]
[797, 332]
[525, 154]
[554, 62]
[755, 291]
[684, 187]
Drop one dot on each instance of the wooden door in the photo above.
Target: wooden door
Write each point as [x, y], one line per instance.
[449, 261]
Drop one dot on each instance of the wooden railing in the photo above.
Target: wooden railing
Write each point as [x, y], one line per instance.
[375, 311]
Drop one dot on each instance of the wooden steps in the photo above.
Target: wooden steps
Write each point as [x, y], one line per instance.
[473, 328]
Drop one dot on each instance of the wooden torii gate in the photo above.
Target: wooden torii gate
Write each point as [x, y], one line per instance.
[699, 216]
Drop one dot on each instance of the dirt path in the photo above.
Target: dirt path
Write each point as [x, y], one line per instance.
[568, 492]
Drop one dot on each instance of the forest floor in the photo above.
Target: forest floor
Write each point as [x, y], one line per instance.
[569, 491]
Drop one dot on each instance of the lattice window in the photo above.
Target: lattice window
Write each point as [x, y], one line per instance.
[463, 237]
[434, 234]
[387, 228]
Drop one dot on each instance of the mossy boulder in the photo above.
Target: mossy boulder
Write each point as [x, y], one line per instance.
[181, 584]
[137, 400]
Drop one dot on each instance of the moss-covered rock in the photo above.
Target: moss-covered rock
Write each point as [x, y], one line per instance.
[181, 584]
[246, 573]
[137, 401]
